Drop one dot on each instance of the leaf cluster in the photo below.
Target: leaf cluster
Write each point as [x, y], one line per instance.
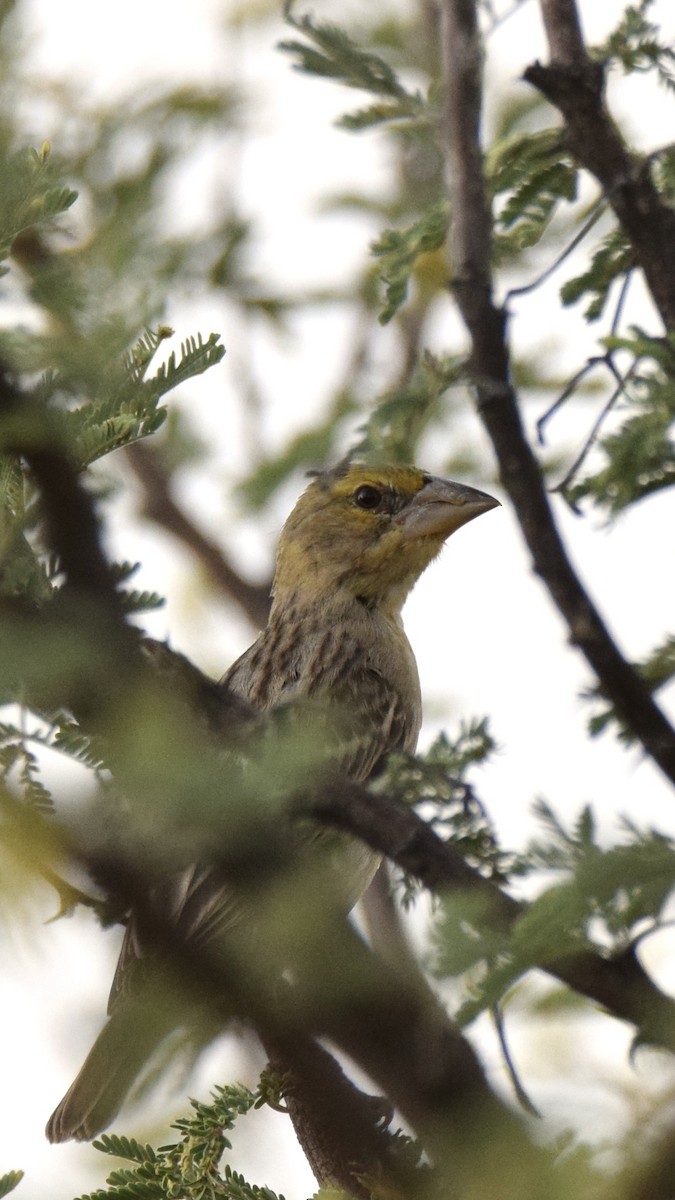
[530, 175]
[597, 898]
[612, 261]
[31, 194]
[400, 418]
[329, 52]
[638, 458]
[90, 391]
[398, 251]
[192, 1166]
[435, 783]
[636, 45]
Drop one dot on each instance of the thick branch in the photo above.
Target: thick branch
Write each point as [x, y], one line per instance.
[340, 1129]
[89, 597]
[471, 226]
[563, 30]
[498, 408]
[378, 1015]
[575, 85]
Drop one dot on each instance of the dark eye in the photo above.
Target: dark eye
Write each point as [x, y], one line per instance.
[367, 497]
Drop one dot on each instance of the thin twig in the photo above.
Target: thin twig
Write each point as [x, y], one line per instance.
[594, 361]
[568, 390]
[596, 212]
[389, 825]
[620, 304]
[619, 390]
[521, 1094]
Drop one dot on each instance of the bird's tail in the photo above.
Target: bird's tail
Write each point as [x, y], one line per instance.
[114, 1063]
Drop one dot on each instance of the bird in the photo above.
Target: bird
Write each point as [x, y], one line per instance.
[334, 649]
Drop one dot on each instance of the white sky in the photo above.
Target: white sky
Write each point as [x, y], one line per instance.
[485, 635]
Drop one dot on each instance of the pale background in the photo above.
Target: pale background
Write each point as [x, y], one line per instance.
[485, 635]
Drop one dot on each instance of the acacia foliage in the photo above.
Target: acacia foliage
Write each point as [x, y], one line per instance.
[85, 378]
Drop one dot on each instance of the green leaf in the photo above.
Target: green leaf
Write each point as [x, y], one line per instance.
[192, 1166]
[134, 601]
[127, 408]
[611, 261]
[636, 45]
[9, 1181]
[533, 174]
[378, 114]
[69, 739]
[399, 249]
[123, 1147]
[401, 417]
[332, 54]
[28, 194]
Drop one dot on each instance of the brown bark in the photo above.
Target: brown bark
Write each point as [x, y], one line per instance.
[470, 247]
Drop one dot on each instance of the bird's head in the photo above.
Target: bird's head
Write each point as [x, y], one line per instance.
[367, 533]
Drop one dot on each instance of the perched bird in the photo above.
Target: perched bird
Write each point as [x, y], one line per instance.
[351, 550]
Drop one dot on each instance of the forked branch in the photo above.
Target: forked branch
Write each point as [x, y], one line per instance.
[470, 247]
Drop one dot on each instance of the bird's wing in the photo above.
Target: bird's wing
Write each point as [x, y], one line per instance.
[357, 685]
[365, 721]
[339, 697]
[200, 906]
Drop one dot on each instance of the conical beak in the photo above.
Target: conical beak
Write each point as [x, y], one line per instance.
[440, 507]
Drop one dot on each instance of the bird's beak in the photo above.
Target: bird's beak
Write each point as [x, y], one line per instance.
[440, 507]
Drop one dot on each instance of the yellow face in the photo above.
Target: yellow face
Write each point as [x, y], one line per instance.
[368, 532]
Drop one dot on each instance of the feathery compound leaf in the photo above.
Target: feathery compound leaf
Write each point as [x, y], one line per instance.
[133, 601]
[636, 45]
[535, 172]
[611, 261]
[69, 739]
[192, 1166]
[141, 354]
[129, 409]
[657, 669]
[28, 195]
[637, 459]
[332, 54]
[378, 114]
[196, 356]
[604, 900]
[18, 762]
[398, 250]
[122, 1147]
[401, 417]
[236, 1188]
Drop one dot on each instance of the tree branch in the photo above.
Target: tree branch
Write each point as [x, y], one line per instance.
[497, 403]
[389, 825]
[159, 506]
[575, 84]
[563, 30]
[341, 1130]
[379, 1015]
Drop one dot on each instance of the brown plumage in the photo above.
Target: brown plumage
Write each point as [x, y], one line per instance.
[334, 651]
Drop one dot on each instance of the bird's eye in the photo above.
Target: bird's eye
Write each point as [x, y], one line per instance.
[367, 497]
